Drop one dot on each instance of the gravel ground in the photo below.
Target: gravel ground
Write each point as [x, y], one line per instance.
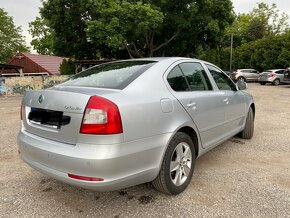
[240, 178]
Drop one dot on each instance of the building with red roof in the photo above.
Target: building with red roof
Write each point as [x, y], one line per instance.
[33, 64]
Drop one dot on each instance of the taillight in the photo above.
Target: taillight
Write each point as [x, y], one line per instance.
[272, 74]
[234, 74]
[101, 117]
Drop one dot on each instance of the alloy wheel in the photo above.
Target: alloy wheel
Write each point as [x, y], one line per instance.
[180, 164]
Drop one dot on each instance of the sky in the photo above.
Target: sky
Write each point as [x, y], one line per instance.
[25, 11]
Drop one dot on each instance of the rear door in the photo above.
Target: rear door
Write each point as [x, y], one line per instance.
[255, 75]
[191, 86]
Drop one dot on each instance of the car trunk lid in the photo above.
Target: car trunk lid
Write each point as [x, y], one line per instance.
[57, 113]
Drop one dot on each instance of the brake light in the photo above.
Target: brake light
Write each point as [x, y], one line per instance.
[101, 117]
[272, 74]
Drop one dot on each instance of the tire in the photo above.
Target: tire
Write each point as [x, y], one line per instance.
[248, 131]
[263, 84]
[169, 181]
[276, 82]
[241, 79]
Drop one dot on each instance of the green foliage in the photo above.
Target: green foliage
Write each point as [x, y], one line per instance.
[11, 39]
[67, 67]
[261, 41]
[67, 21]
[43, 36]
[123, 28]
[262, 21]
[126, 25]
[219, 57]
[267, 53]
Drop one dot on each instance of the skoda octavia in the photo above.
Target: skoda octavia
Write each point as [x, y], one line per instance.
[134, 121]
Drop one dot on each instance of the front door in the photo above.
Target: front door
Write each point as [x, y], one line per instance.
[235, 104]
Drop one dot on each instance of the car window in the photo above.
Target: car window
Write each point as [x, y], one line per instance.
[223, 81]
[114, 75]
[254, 71]
[177, 80]
[280, 72]
[195, 76]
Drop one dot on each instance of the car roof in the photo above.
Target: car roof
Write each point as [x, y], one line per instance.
[161, 59]
[274, 69]
[246, 69]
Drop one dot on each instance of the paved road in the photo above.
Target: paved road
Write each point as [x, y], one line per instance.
[240, 178]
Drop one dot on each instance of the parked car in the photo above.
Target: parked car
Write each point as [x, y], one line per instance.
[271, 76]
[286, 78]
[134, 121]
[246, 75]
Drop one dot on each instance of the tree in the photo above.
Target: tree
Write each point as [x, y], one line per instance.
[160, 28]
[274, 22]
[124, 25]
[267, 53]
[67, 67]
[67, 21]
[124, 28]
[250, 30]
[43, 36]
[262, 21]
[11, 39]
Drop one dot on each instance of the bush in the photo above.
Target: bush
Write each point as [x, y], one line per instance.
[67, 67]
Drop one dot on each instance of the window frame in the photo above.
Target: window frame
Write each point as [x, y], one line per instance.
[170, 71]
[213, 80]
[177, 64]
[121, 86]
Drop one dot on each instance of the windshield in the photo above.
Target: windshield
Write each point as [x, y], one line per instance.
[114, 75]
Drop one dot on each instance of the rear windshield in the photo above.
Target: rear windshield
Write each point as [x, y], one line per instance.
[114, 75]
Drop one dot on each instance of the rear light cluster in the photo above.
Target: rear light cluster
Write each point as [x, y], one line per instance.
[272, 74]
[101, 117]
[234, 74]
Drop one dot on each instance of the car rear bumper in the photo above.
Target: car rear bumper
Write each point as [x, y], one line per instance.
[120, 165]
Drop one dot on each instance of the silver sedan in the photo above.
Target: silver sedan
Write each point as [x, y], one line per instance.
[135, 121]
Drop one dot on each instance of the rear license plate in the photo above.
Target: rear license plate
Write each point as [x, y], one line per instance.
[48, 117]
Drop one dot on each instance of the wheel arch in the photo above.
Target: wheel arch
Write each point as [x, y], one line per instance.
[253, 108]
[193, 135]
[242, 77]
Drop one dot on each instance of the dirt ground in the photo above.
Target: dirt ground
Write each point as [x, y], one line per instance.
[240, 178]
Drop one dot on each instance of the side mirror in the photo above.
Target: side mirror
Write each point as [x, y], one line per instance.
[242, 85]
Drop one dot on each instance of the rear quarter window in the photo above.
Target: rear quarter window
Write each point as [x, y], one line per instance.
[177, 80]
[114, 75]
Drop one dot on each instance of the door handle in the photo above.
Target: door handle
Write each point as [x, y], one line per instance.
[191, 105]
[226, 100]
